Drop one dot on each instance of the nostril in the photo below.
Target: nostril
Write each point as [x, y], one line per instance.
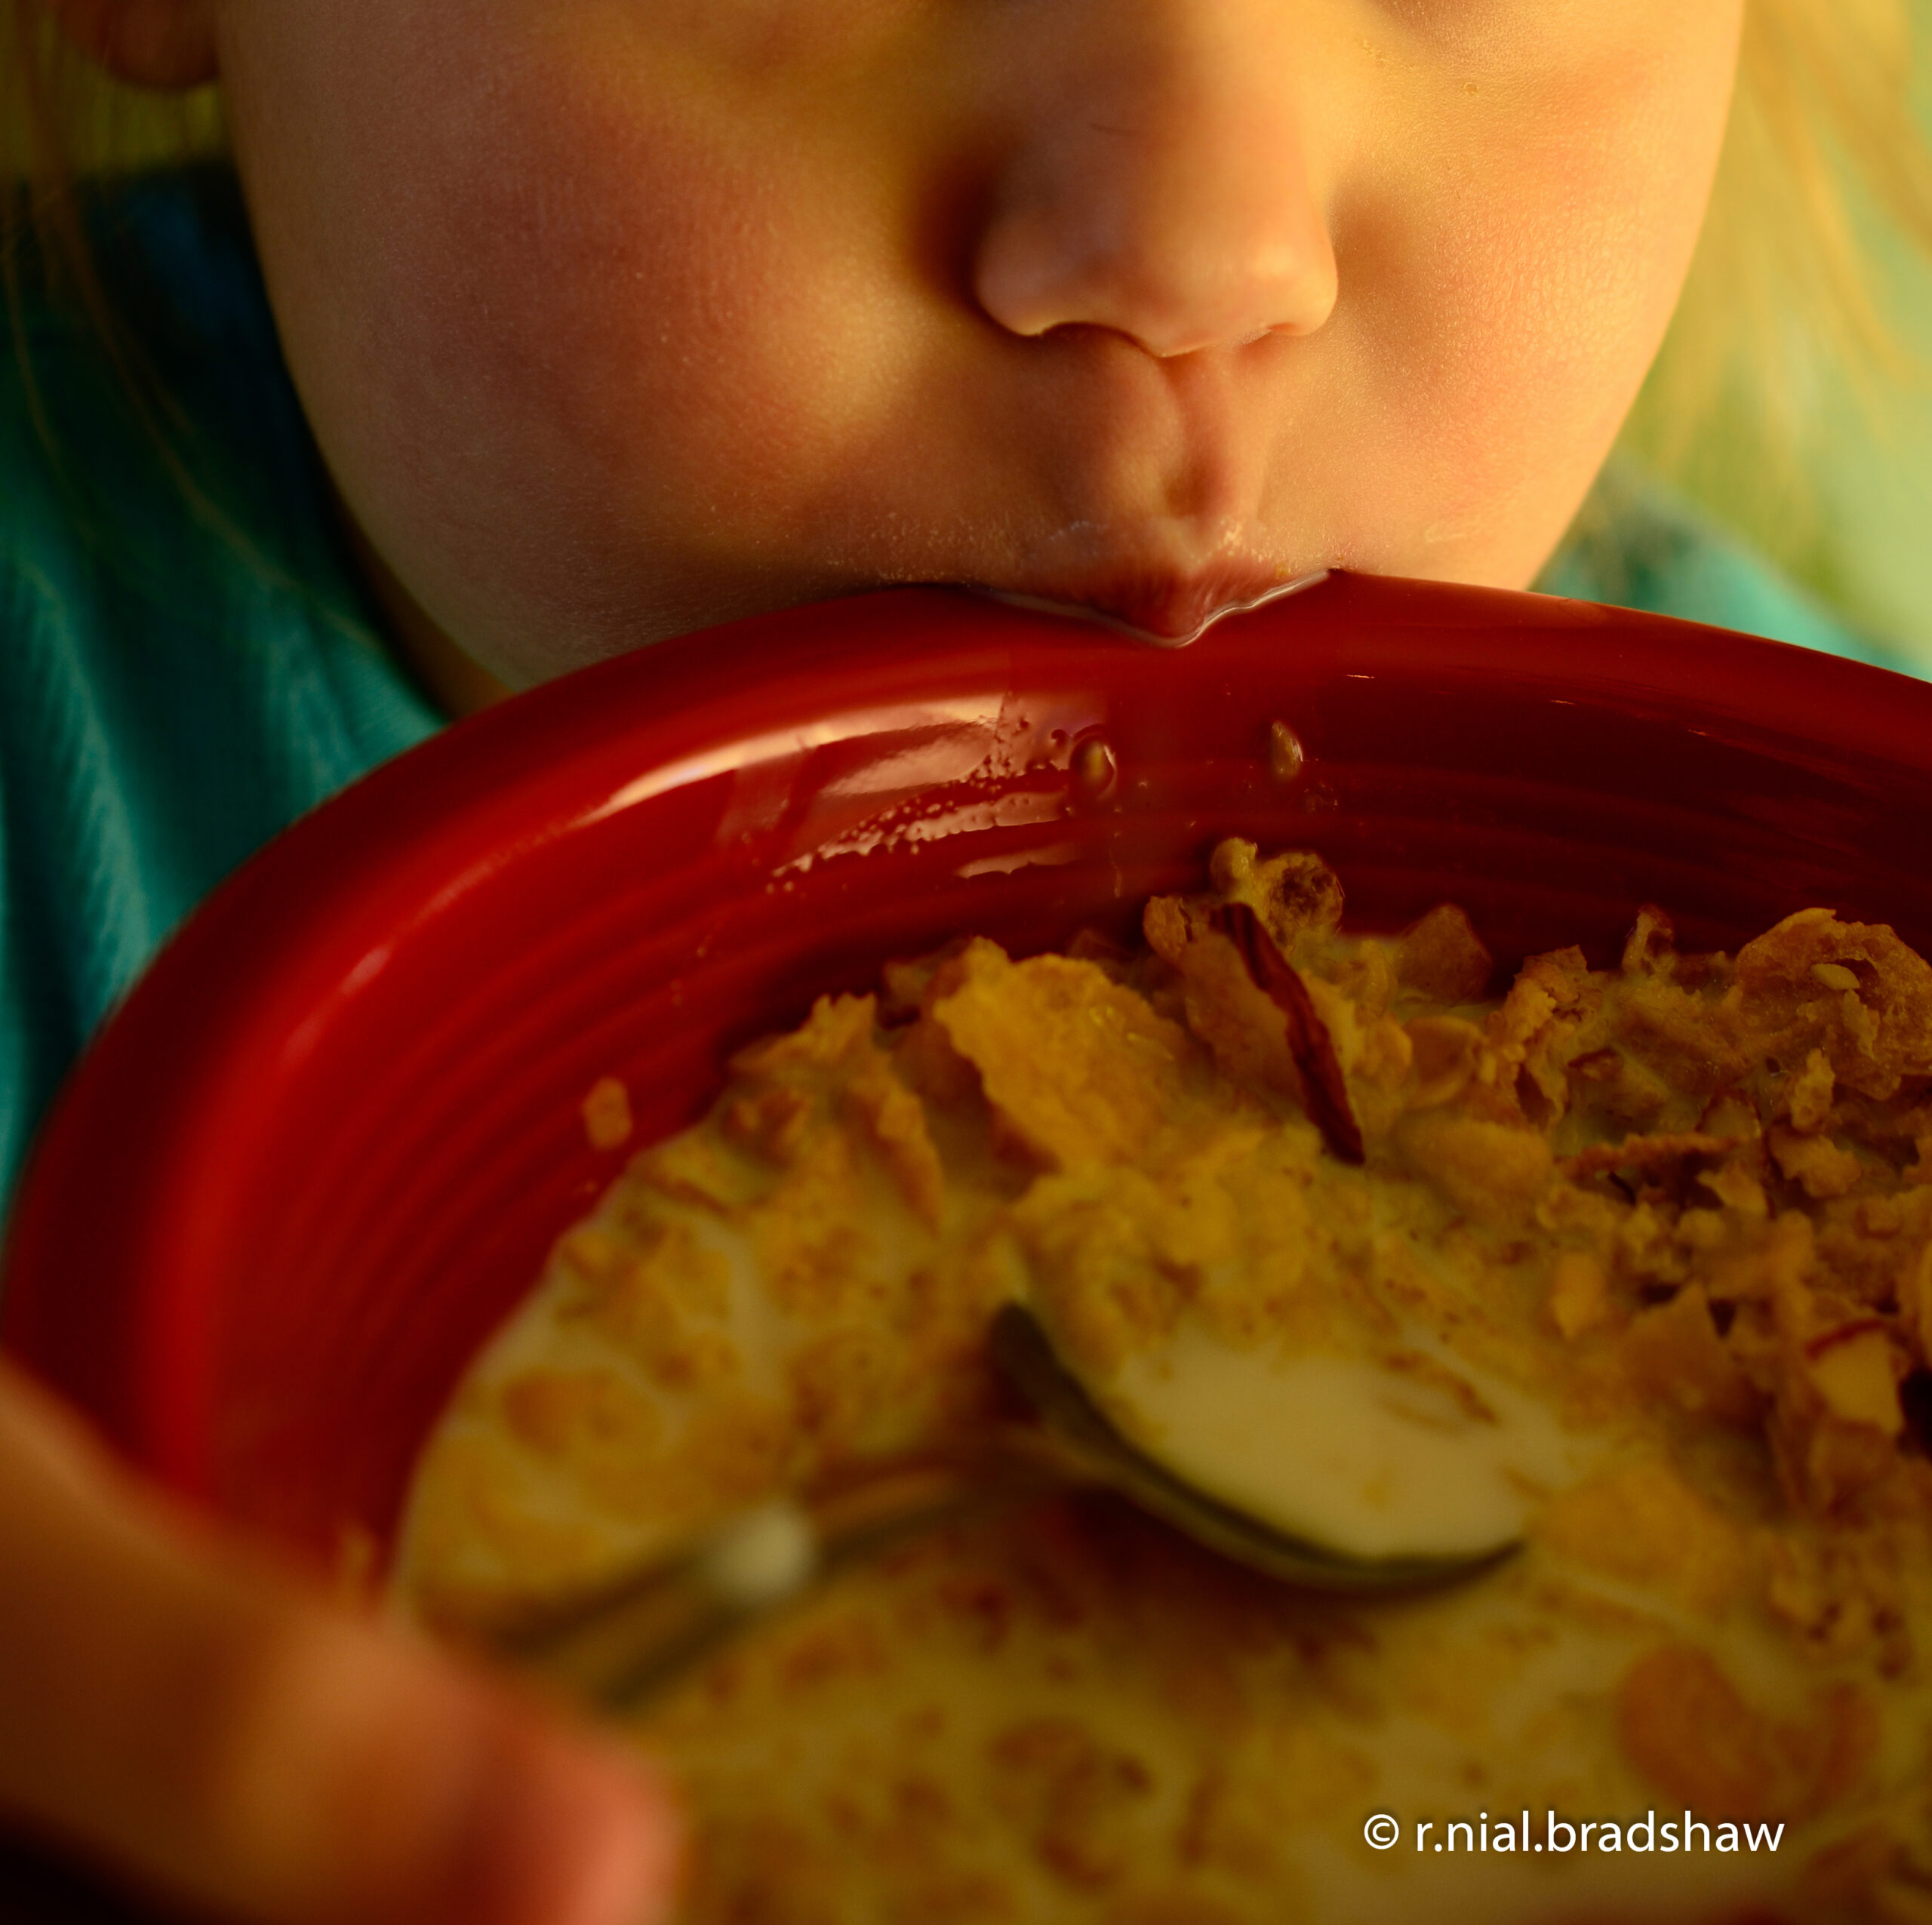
[1024, 276]
[1177, 251]
[1170, 304]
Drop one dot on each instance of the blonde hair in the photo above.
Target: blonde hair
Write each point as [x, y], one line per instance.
[1824, 152]
[64, 122]
[1825, 171]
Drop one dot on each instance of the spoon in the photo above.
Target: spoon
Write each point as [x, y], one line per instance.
[1226, 1499]
[615, 1645]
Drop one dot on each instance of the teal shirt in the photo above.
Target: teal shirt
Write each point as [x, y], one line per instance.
[1648, 551]
[183, 671]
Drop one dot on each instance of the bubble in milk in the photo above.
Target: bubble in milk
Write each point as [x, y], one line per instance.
[1095, 769]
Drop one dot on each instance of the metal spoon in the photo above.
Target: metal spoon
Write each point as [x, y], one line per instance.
[614, 1646]
[1094, 1448]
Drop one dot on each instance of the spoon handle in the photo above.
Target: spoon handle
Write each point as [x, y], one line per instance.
[615, 1646]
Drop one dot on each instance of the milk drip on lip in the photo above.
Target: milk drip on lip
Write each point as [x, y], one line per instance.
[1080, 611]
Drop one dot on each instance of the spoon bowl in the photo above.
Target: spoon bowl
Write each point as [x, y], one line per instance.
[1096, 1451]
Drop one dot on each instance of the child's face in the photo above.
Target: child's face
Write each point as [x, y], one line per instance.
[616, 318]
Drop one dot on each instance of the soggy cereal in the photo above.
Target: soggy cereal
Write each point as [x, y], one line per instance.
[1664, 1232]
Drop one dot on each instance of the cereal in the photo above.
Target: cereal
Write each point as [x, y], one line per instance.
[607, 1114]
[1680, 1207]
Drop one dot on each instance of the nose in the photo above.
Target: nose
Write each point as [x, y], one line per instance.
[1160, 184]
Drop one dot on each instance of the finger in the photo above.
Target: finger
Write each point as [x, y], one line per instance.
[185, 1713]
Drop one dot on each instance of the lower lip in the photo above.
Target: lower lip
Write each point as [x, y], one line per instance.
[1107, 618]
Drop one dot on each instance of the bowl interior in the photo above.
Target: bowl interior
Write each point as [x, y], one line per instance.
[325, 1147]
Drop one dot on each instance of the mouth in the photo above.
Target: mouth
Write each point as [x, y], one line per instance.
[1168, 600]
[1165, 614]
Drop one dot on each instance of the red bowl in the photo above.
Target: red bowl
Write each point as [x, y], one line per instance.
[323, 1149]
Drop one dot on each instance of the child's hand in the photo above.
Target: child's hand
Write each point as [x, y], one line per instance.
[189, 1717]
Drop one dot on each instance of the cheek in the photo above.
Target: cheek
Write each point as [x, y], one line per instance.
[1519, 282]
[547, 320]
[692, 329]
